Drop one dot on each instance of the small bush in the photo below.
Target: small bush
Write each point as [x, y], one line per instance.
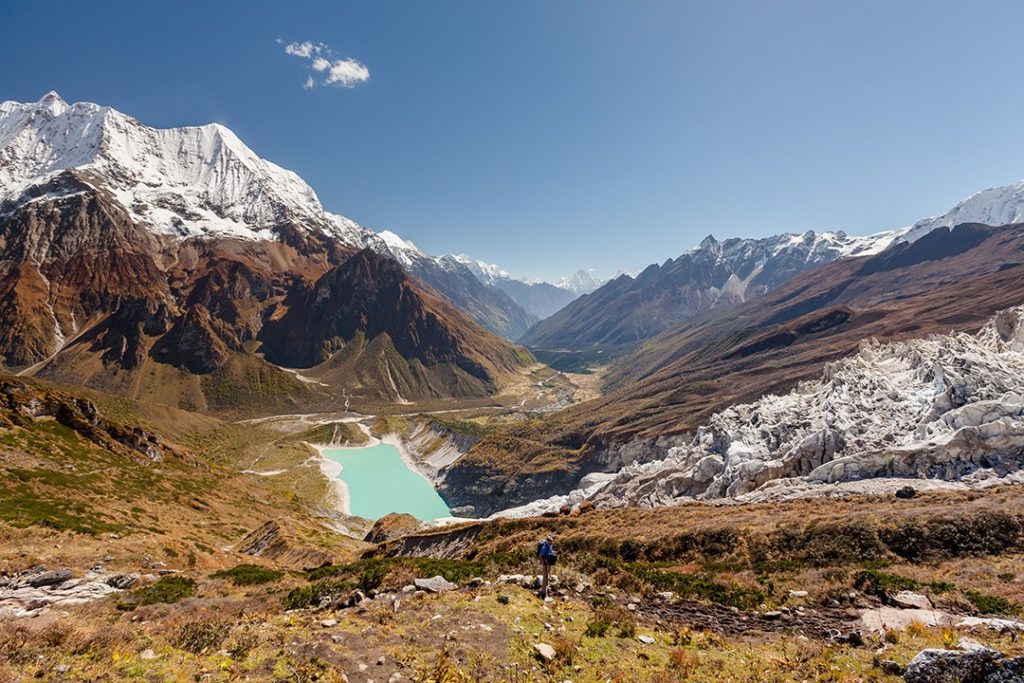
[699, 586]
[199, 636]
[878, 583]
[682, 661]
[242, 643]
[597, 628]
[373, 573]
[372, 577]
[992, 604]
[564, 650]
[313, 595]
[248, 575]
[169, 589]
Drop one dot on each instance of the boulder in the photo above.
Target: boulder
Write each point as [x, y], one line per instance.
[544, 651]
[53, 578]
[122, 581]
[436, 584]
[977, 665]
[646, 640]
[906, 492]
[911, 600]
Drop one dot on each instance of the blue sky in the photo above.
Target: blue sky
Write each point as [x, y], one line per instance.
[547, 136]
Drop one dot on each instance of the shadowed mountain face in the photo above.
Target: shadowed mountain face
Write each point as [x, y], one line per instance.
[627, 311]
[488, 305]
[91, 297]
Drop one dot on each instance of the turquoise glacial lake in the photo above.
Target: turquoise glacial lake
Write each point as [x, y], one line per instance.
[379, 482]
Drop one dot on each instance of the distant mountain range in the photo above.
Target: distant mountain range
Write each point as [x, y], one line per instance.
[626, 311]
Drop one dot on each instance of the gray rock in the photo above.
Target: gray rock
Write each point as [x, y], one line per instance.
[147, 654]
[646, 640]
[123, 581]
[911, 600]
[328, 623]
[436, 584]
[979, 665]
[544, 651]
[49, 578]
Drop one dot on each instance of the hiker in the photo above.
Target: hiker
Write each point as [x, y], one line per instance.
[546, 554]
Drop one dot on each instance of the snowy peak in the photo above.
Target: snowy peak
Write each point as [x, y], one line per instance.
[189, 181]
[488, 273]
[580, 282]
[994, 206]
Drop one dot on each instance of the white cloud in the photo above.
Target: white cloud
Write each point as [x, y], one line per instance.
[347, 73]
[340, 71]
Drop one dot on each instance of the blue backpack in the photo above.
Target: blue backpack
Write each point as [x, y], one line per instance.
[546, 552]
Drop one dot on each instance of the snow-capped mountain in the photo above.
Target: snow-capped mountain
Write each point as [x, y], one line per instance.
[580, 282]
[716, 274]
[186, 182]
[947, 407]
[130, 251]
[201, 181]
[538, 298]
[994, 206]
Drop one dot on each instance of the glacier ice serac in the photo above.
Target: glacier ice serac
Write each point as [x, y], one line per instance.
[946, 408]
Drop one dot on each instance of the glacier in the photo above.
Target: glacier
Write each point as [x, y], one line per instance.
[946, 408]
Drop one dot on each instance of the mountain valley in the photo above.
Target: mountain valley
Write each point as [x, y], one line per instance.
[799, 452]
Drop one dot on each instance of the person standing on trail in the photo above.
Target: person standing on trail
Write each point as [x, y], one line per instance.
[547, 556]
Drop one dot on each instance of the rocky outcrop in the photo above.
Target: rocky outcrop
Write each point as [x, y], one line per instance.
[22, 404]
[273, 542]
[972, 664]
[446, 543]
[947, 407]
[392, 526]
[37, 589]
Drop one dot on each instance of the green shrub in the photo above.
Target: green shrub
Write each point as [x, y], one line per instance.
[992, 604]
[878, 583]
[248, 575]
[312, 595]
[372, 573]
[699, 586]
[597, 628]
[169, 589]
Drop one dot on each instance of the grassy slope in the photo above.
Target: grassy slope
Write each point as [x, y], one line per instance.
[57, 484]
